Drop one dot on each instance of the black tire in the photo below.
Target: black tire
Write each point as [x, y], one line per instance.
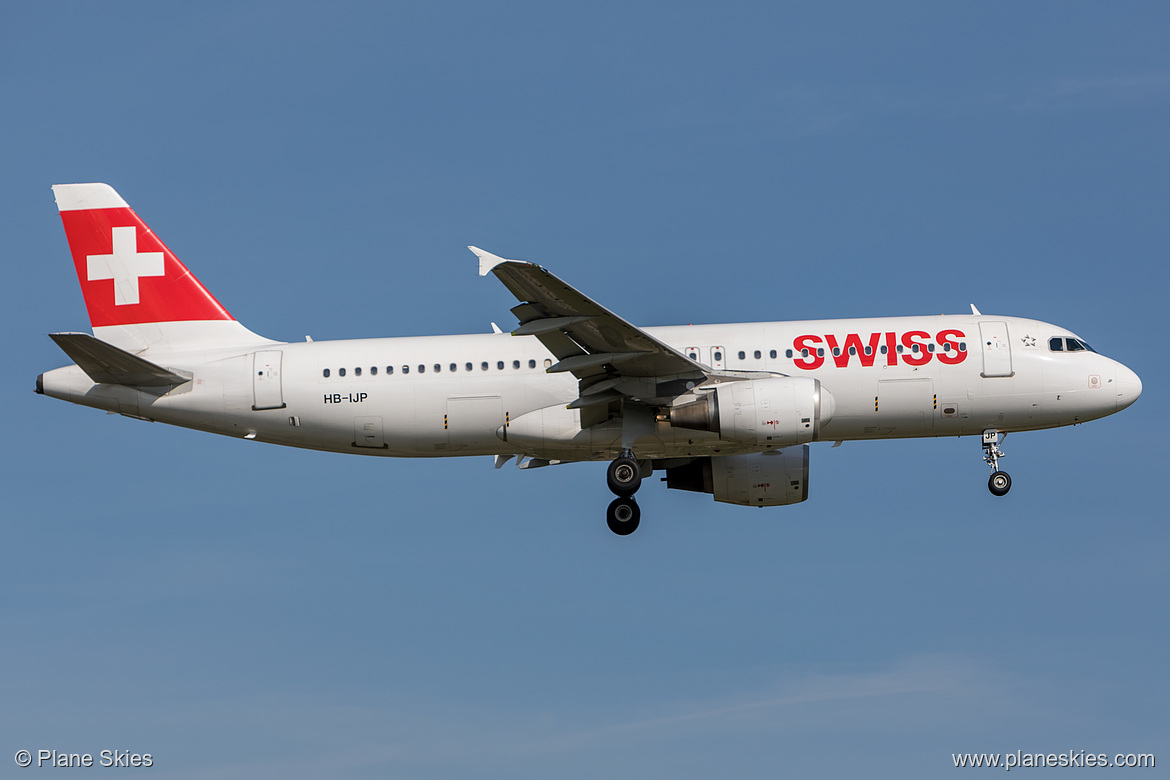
[624, 476]
[623, 516]
[999, 483]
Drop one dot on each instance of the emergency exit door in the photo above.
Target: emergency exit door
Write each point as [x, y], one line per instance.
[712, 356]
[266, 389]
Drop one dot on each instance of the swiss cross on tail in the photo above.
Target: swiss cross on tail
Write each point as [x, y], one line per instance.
[125, 265]
[128, 276]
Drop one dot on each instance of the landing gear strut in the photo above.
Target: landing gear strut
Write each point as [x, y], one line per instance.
[624, 477]
[999, 483]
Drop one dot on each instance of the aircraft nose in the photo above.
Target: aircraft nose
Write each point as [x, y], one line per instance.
[1129, 387]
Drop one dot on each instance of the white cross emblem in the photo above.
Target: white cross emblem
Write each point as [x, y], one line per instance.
[125, 265]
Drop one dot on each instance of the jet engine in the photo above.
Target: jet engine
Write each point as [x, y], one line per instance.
[771, 478]
[766, 413]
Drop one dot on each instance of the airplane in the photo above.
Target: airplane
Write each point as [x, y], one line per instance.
[724, 409]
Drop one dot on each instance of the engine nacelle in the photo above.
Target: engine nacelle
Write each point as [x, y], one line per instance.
[766, 413]
[771, 478]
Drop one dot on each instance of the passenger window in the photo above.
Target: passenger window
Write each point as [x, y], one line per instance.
[341, 372]
[499, 365]
[788, 353]
[930, 347]
[454, 368]
[772, 353]
[885, 349]
[693, 355]
[357, 371]
[868, 349]
[547, 363]
[962, 346]
[804, 353]
[467, 367]
[406, 369]
[483, 366]
[515, 364]
[421, 368]
[389, 369]
[325, 373]
[836, 352]
[532, 364]
[820, 351]
[853, 350]
[1074, 345]
[718, 355]
[1056, 344]
[438, 368]
[900, 348]
[742, 355]
[758, 355]
[373, 370]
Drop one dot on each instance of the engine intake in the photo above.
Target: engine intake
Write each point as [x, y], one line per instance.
[768, 413]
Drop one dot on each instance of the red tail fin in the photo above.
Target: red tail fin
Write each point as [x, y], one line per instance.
[127, 274]
[130, 278]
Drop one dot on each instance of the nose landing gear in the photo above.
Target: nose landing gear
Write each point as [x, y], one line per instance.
[999, 483]
[624, 477]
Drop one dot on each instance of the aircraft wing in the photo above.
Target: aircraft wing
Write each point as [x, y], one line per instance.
[589, 341]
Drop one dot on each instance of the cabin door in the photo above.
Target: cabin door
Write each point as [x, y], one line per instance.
[997, 349]
[266, 389]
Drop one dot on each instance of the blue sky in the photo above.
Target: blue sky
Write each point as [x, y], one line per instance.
[238, 610]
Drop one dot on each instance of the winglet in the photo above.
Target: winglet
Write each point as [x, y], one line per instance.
[487, 261]
[975, 311]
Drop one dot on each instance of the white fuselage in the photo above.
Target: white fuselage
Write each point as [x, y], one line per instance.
[460, 395]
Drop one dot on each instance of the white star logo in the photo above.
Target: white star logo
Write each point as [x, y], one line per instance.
[125, 265]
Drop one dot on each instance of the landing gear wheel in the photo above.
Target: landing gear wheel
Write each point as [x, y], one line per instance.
[623, 516]
[999, 484]
[624, 476]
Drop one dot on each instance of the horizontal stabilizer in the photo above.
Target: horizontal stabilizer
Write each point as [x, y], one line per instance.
[105, 363]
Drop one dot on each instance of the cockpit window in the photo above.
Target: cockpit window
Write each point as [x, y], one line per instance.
[1058, 344]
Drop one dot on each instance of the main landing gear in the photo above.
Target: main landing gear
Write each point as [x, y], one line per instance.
[999, 483]
[624, 477]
